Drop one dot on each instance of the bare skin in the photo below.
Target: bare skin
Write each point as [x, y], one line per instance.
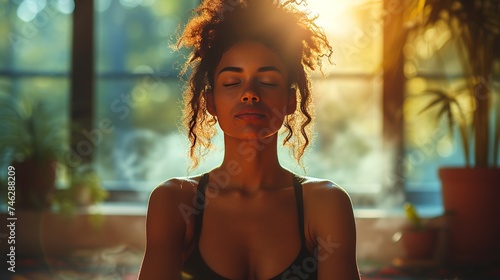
[250, 226]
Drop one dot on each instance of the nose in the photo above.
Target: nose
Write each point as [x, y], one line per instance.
[250, 95]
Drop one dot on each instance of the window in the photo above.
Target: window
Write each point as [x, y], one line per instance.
[138, 93]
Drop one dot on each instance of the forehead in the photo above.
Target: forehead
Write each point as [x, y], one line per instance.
[250, 55]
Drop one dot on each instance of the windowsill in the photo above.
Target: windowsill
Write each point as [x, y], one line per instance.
[427, 211]
[140, 209]
[117, 209]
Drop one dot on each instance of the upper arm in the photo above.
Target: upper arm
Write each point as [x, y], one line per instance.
[335, 233]
[165, 228]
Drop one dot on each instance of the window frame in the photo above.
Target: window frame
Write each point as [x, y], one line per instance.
[82, 94]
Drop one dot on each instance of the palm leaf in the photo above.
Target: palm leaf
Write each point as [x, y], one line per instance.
[441, 97]
[475, 25]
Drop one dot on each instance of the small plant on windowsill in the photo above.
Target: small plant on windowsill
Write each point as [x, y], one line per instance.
[419, 240]
[85, 189]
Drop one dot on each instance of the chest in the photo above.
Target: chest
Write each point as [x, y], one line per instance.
[250, 238]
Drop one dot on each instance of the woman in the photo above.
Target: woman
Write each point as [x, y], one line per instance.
[250, 218]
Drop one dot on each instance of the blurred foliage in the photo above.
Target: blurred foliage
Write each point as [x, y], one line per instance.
[472, 28]
[30, 128]
[412, 215]
[85, 189]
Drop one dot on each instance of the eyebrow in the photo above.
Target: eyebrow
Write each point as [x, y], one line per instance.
[240, 70]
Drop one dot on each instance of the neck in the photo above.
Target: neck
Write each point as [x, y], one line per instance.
[251, 165]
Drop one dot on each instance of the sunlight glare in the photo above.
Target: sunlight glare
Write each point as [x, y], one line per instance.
[102, 5]
[335, 16]
[28, 9]
[66, 6]
[354, 30]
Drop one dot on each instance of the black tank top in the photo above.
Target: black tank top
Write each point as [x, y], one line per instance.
[304, 266]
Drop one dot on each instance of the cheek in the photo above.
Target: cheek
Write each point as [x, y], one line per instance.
[280, 107]
[223, 104]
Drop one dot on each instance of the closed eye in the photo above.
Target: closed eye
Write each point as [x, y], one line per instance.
[231, 84]
[268, 84]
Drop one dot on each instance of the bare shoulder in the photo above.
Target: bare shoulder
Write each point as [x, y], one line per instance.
[167, 196]
[166, 226]
[327, 207]
[169, 200]
[176, 186]
[321, 190]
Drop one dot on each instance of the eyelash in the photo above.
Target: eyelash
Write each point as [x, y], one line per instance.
[265, 84]
[269, 84]
[230, 84]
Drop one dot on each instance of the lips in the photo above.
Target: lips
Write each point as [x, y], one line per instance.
[250, 114]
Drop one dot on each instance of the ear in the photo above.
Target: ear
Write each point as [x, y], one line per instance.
[209, 98]
[292, 101]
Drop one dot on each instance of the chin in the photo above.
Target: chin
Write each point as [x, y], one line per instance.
[252, 133]
[255, 136]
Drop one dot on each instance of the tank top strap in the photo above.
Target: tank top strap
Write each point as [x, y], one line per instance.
[297, 185]
[200, 205]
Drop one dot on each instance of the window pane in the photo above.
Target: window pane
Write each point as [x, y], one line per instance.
[131, 34]
[348, 143]
[140, 140]
[430, 52]
[36, 35]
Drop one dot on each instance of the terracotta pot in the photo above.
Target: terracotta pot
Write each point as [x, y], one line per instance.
[419, 243]
[471, 197]
[35, 184]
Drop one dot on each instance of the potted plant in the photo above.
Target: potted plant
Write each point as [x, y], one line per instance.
[32, 140]
[85, 189]
[419, 240]
[471, 192]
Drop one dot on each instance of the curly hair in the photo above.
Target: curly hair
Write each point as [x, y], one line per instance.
[219, 24]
